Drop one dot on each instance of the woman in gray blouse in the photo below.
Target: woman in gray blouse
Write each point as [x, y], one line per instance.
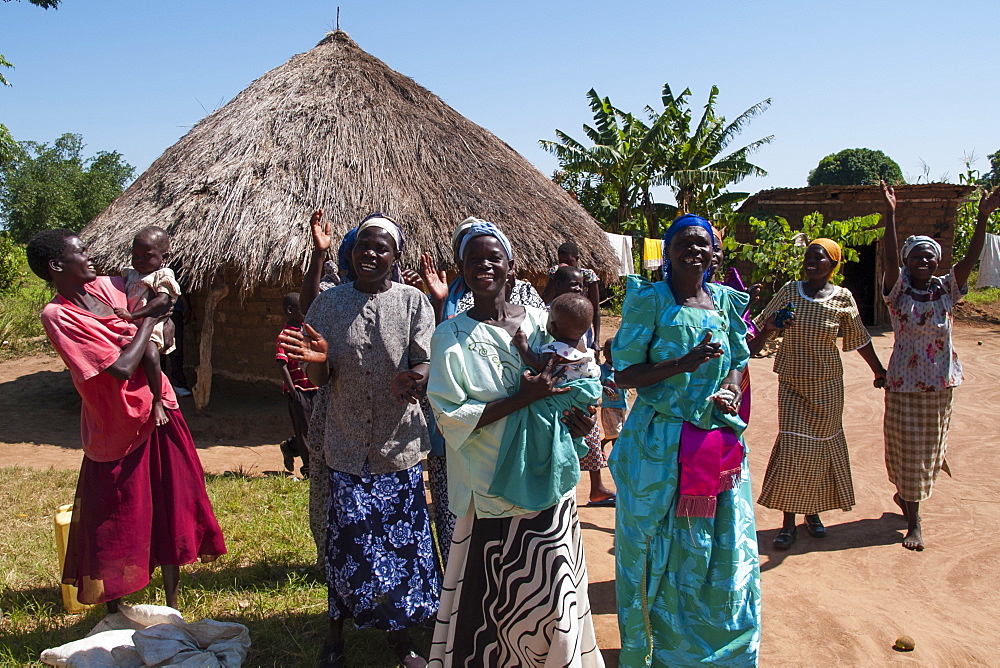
[370, 340]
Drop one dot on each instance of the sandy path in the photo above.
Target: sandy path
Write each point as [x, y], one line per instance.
[842, 600]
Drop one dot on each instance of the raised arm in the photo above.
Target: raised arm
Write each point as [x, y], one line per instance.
[987, 205]
[321, 245]
[890, 245]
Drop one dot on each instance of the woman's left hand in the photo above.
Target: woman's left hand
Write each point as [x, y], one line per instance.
[732, 406]
[879, 382]
[580, 424]
[409, 386]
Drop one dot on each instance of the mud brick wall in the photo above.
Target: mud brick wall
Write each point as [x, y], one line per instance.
[928, 209]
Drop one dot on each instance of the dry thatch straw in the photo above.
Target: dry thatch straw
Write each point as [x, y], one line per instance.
[338, 129]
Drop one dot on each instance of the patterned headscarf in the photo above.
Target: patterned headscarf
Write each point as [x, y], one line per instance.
[832, 249]
[920, 240]
[462, 228]
[484, 228]
[687, 220]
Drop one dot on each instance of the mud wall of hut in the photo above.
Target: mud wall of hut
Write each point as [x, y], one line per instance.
[928, 209]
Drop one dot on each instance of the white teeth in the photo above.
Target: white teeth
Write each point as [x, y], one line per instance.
[484, 277]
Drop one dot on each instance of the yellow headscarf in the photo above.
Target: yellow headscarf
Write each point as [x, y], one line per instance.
[832, 249]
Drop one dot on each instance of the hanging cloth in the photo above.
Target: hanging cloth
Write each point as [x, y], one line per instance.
[622, 246]
[652, 253]
[989, 263]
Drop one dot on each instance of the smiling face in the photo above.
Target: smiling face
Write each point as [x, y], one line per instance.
[149, 253]
[921, 263]
[817, 265]
[690, 251]
[373, 254]
[74, 265]
[485, 267]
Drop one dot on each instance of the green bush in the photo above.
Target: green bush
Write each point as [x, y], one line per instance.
[12, 263]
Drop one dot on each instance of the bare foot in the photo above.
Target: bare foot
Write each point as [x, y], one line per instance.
[913, 540]
[160, 415]
[600, 494]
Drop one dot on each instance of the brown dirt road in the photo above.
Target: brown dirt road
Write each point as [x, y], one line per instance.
[841, 600]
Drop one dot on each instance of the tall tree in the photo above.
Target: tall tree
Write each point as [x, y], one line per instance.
[856, 167]
[696, 165]
[45, 187]
[619, 156]
[630, 156]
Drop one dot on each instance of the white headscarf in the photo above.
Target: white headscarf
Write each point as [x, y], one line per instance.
[921, 240]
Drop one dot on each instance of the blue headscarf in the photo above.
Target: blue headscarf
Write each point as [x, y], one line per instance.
[482, 228]
[344, 254]
[687, 220]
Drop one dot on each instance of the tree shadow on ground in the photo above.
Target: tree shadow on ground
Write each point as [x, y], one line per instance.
[870, 532]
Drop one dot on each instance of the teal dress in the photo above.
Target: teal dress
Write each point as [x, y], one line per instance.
[688, 588]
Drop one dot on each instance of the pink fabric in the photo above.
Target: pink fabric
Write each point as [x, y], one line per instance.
[144, 510]
[115, 416]
[711, 462]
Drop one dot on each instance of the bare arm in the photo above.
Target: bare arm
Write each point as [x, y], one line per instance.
[643, 375]
[962, 268]
[890, 245]
[154, 306]
[869, 355]
[285, 375]
[757, 343]
[321, 244]
[131, 355]
[530, 358]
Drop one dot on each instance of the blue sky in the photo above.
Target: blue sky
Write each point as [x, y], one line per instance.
[915, 79]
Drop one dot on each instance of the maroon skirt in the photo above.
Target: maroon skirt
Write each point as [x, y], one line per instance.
[144, 510]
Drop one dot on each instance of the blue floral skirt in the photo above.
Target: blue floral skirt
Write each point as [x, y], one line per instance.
[380, 566]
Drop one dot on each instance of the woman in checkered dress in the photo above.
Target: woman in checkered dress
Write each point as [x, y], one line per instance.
[924, 367]
[809, 471]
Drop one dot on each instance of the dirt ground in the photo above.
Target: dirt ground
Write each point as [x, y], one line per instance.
[841, 600]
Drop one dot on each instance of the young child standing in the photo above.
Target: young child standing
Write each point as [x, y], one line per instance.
[297, 388]
[149, 286]
[537, 452]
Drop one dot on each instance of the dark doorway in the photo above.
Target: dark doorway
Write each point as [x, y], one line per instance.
[859, 278]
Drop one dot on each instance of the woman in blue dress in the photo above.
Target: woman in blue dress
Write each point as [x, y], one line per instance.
[688, 581]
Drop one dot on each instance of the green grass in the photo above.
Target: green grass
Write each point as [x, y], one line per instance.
[983, 296]
[267, 581]
[21, 331]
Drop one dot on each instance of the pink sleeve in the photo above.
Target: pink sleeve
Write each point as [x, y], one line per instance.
[85, 351]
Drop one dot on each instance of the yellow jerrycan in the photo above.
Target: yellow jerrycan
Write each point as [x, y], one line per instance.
[64, 515]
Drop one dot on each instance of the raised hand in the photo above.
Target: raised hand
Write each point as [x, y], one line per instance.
[436, 281]
[306, 346]
[412, 278]
[989, 203]
[889, 195]
[322, 240]
[700, 354]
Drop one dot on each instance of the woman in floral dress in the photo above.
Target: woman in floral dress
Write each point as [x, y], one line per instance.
[369, 341]
[924, 368]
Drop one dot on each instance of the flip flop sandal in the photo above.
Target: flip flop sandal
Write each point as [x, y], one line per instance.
[603, 503]
[815, 526]
[784, 539]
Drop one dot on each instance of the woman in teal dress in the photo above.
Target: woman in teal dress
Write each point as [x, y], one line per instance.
[688, 580]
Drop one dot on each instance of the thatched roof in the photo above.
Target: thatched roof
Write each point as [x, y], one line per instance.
[338, 129]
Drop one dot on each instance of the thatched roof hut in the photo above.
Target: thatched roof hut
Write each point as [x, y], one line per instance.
[338, 129]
